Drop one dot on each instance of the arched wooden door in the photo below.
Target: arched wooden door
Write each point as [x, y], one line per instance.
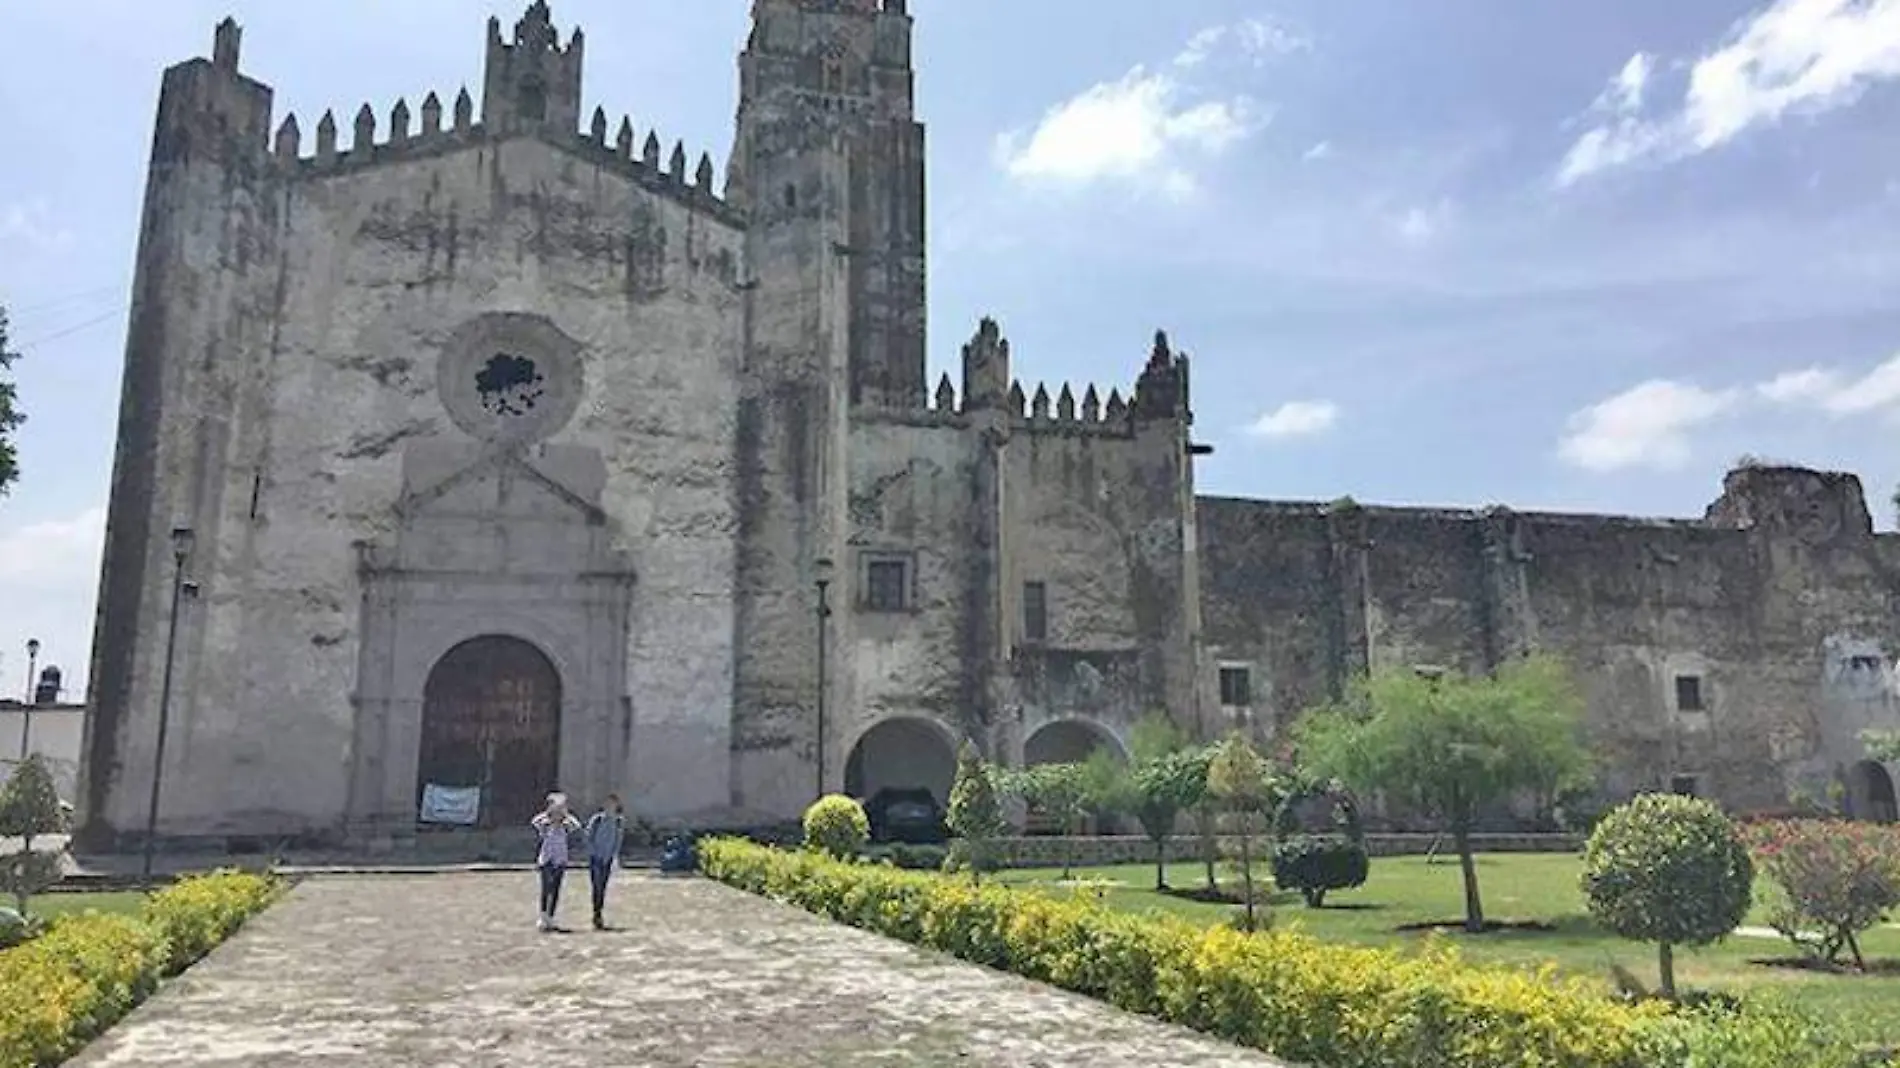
[491, 719]
[1871, 794]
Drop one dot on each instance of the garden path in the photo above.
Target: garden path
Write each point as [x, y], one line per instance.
[447, 969]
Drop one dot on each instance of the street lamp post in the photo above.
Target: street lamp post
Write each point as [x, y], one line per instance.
[182, 540]
[26, 710]
[821, 578]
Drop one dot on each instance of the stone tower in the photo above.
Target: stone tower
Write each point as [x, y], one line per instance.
[827, 162]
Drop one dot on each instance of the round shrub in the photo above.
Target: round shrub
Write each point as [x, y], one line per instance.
[837, 826]
[1322, 844]
[1670, 870]
[1316, 863]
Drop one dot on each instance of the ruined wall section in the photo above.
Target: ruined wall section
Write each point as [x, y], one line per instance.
[367, 262]
[1768, 604]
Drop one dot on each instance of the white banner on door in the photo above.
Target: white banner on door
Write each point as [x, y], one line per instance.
[451, 804]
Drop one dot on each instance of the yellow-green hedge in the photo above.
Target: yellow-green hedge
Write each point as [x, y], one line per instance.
[63, 988]
[1284, 993]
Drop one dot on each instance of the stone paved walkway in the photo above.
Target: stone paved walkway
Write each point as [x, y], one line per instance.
[405, 972]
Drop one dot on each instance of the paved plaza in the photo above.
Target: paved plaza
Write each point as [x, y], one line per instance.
[427, 970]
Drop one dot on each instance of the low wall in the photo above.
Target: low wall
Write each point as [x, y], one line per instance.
[1050, 851]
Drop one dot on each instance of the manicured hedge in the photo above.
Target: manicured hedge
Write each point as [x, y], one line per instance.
[63, 988]
[1284, 993]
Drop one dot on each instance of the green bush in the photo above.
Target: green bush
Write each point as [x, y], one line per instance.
[59, 990]
[1670, 870]
[1316, 863]
[837, 826]
[910, 856]
[1287, 994]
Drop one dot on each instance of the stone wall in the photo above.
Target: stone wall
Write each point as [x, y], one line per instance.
[1770, 605]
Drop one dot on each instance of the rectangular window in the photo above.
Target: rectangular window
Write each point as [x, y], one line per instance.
[1236, 687]
[1035, 612]
[1683, 784]
[887, 585]
[1689, 693]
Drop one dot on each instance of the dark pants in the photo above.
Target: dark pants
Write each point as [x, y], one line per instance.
[551, 887]
[600, 869]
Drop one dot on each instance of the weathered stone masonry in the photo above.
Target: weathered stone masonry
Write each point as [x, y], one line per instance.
[514, 445]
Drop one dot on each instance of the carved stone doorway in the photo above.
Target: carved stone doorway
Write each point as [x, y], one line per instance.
[491, 720]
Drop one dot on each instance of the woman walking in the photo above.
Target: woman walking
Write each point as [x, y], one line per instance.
[552, 826]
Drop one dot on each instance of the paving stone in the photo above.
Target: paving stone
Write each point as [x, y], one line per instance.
[427, 970]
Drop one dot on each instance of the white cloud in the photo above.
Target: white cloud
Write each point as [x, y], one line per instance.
[1320, 151]
[1837, 394]
[1257, 41]
[1793, 56]
[1151, 127]
[1423, 223]
[30, 224]
[49, 576]
[1296, 419]
[1648, 425]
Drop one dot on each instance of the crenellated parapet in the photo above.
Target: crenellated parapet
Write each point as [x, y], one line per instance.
[1160, 393]
[530, 89]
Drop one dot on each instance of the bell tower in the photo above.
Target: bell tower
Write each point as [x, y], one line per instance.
[829, 161]
[533, 82]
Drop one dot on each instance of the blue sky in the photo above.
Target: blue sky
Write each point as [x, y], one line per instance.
[1557, 255]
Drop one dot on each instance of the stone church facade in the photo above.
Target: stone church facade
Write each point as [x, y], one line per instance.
[519, 450]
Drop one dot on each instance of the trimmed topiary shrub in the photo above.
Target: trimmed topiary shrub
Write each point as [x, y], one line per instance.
[1316, 863]
[1670, 870]
[910, 856]
[837, 826]
[1833, 877]
[1322, 845]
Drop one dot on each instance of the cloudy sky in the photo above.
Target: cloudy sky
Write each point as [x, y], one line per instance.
[1546, 253]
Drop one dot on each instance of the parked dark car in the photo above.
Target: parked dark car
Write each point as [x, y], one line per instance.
[905, 815]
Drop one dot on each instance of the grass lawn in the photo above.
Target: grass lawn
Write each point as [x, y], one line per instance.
[1521, 887]
[128, 902]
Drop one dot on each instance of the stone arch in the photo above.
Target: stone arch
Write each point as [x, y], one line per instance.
[491, 720]
[903, 752]
[1870, 793]
[1070, 741]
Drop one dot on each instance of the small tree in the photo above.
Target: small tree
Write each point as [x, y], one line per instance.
[975, 815]
[1832, 876]
[1164, 788]
[1317, 859]
[1238, 778]
[10, 415]
[837, 826]
[1670, 870]
[1060, 791]
[29, 808]
[1451, 746]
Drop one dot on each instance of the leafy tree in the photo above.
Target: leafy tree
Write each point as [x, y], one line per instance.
[1165, 787]
[29, 808]
[1315, 856]
[10, 415]
[975, 815]
[1670, 870]
[1450, 746]
[1834, 877]
[1239, 779]
[1060, 791]
[837, 826]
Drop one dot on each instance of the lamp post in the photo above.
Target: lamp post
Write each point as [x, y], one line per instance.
[26, 710]
[821, 579]
[182, 540]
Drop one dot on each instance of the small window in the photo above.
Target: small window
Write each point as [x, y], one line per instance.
[1863, 663]
[1035, 612]
[532, 101]
[887, 585]
[791, 195]
[1236, 687]
[1689, 693]
[1683, 785]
